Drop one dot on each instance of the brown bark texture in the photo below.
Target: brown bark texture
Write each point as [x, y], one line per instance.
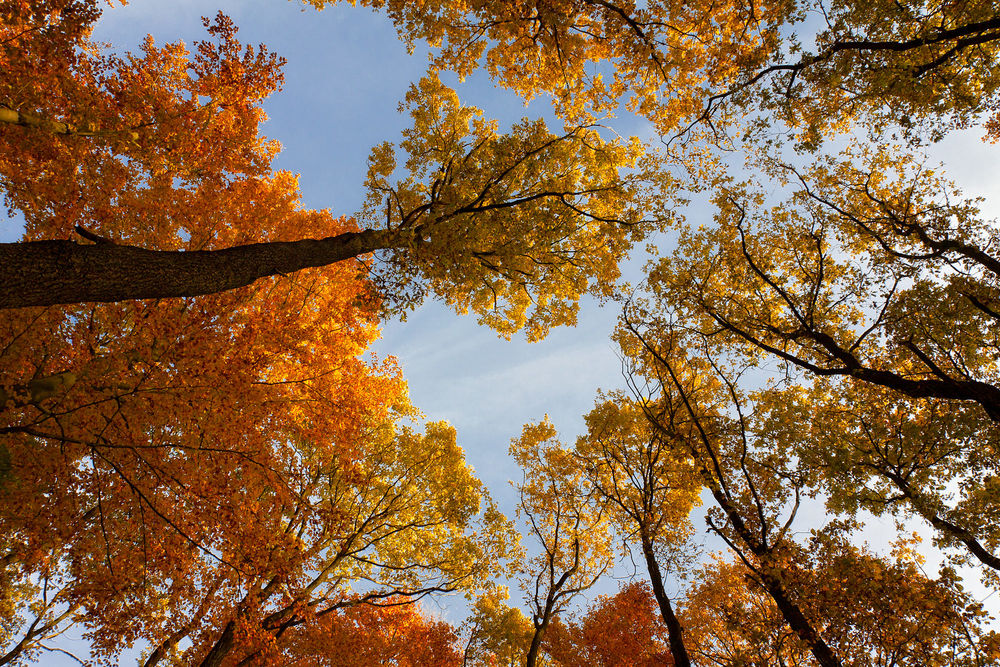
[46, 273]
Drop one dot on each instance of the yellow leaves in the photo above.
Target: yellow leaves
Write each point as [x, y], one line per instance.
[440, 124]
[929, 83]
[515, 227]
[414, 516]
[245, 427]
[529, 447]
[557, 508]
[665, 60]
[499, 634]
[645, 478]
[834, 252]
[661, 54]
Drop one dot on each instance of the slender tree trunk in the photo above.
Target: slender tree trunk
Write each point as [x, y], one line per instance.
[45, 273]
[541, 623]
[35, 634]
[165, 647]
[791, 612]
[531, 660]
[674, 630]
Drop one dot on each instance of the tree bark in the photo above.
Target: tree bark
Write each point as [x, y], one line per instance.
[790, 611]
[223, 645]
[531, 659]
[46, 273]
[798, 622]
[674, 630]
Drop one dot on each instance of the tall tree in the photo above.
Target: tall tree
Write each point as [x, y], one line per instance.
[498, 635]
[514, 226]
[877, 279]
[933, 621]
[571, 532]
[876, 451]
[872, 273]
[875, 269]
[405, 520]
[693, 401]
[619, 629]
[151, 433]
[648, 486]
[188, 473]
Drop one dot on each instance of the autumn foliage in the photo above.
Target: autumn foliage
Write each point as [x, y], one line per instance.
[396, 634]
[200, 460]
[621, 629]
[201, 475]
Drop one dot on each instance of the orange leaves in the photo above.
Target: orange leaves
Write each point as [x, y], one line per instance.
[211, 475]
[873, 610]
[206, 472]
[398, 633]
[621, 629]
[153, 482]
[113, 136]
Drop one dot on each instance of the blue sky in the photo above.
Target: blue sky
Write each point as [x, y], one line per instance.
[346, 73]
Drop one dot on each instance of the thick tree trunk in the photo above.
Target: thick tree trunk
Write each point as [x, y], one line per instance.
[45, 273]
[674, 630]
[223, 645]
[799, 624]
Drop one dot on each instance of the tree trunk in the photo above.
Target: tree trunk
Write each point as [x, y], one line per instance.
[799, 623]
[223, 645]
[791, 612]
[45, 273]
[541, 623]
[531, 660]
[674, 630]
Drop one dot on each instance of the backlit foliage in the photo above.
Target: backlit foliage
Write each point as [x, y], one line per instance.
[620, 629]
[204, 475]
[228, 479]
[515, 227]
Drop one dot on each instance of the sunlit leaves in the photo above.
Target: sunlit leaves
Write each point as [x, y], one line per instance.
[514, 226]
[618, 629]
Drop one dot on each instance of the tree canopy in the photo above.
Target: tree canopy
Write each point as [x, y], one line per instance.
[153, 141]
[200, 459]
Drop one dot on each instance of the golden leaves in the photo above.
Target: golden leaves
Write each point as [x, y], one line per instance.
[515, 227]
